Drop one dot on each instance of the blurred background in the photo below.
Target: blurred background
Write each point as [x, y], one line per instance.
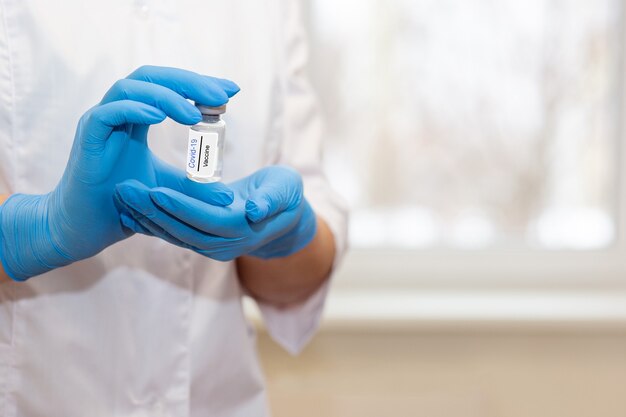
[479, 145]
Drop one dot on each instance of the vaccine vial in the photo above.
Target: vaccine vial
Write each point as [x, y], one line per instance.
[206, 145]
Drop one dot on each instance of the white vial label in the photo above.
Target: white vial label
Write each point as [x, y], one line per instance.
[202, 154]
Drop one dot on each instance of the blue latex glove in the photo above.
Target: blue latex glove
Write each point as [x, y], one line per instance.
[81, 217]
[269, 217]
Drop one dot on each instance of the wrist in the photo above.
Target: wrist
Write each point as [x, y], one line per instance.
[290, 280]
[26, 248]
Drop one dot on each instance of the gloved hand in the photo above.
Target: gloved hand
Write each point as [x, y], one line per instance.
[80, 217]
[269, 217]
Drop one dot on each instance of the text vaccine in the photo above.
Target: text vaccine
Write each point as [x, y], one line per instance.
[206, 145]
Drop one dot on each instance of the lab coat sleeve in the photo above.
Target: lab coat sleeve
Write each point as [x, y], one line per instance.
[301, 144]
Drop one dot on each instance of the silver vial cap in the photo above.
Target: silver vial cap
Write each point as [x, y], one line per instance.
[211, 111]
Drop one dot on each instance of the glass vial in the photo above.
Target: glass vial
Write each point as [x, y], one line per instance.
[206, 145]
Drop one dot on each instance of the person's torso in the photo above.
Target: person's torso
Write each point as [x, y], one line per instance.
[144, 328]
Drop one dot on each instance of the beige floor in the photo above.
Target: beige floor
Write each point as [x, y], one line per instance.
[450, 374]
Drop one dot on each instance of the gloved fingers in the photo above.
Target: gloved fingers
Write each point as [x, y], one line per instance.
[218, 221]
[224, 253]
[159, 224]
[130, 223]
[172, 229]
[230, 87]
[140, 224]
[164, 225]
[205, 192]
[202, 89]
[274, 190]
[217, 193]
[171, 103]
[99, 122]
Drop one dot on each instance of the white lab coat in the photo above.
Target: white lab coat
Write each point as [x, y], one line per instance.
[146, 328]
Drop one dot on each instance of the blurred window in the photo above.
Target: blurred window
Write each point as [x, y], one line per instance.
[472, 124]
